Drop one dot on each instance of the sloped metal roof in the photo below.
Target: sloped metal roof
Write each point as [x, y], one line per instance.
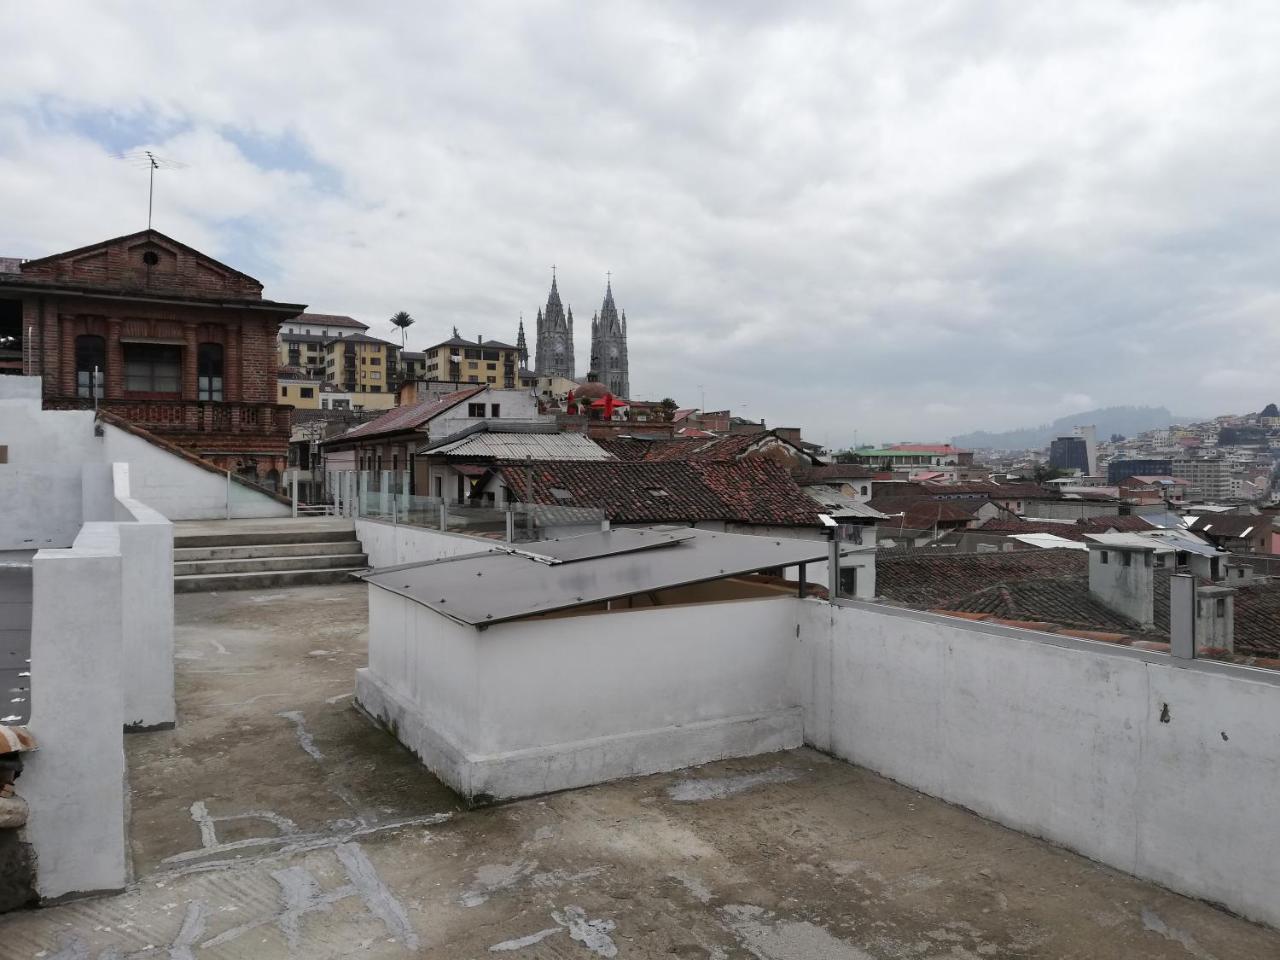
[513, 583]
[523, 446]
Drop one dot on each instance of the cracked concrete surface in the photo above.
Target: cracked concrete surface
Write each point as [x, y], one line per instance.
[276, 821]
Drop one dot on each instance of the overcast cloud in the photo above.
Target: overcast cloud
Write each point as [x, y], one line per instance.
[902, 219]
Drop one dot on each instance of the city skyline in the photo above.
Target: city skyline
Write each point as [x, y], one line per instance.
[979, 217]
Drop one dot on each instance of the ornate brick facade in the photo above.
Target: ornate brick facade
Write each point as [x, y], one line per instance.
[186, 346]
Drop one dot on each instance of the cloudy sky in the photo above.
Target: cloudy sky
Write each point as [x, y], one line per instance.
[901, 219]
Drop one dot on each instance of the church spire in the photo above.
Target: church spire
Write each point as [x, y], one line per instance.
[554, 346]
[522, 346]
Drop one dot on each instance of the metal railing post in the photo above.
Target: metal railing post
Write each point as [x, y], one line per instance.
[228, 494]
[293, 483]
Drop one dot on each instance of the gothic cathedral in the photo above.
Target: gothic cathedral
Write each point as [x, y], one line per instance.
[554, 343]
[609, 346]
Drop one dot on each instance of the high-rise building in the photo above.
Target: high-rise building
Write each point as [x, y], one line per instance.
[1209, 479]
[554, 344]
[1089, 435]
[1069, 453]
[609, 346]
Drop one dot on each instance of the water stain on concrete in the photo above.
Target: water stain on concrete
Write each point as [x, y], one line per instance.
[696, 789]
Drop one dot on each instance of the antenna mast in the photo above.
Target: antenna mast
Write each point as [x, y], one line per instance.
[152, 162]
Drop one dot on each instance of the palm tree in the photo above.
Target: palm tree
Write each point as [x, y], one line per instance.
[404, 322]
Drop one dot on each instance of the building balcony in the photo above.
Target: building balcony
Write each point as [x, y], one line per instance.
[190, 416]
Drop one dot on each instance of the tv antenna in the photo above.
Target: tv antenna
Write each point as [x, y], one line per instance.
[148, 159]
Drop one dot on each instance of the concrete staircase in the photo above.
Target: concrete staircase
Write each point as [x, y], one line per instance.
[267, 558]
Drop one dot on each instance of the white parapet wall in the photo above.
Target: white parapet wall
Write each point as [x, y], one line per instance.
[1131, 758]
[389, 544]
[75, 783]
[180, 489]
[146, 545]
[534, 706]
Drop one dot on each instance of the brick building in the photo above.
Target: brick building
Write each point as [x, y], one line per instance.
[183, 345]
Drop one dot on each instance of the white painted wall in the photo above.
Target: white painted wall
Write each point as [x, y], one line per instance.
[146, 546]
[534, 706]
[388, 544]
[179, 489]
[1059, 738]
[40, 486]
[75, 783]
[512, 405]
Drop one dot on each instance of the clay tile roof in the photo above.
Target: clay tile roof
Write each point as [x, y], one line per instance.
[1053, 586]
[357, 338]
[826, 472]
[750, 491]
[330, 320]
[1227, 525]
[403, 419]
[931, 580]
[1070, 531]
[1063, 600]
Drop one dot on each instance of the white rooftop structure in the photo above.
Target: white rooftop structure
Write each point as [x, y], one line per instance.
[1049, 541]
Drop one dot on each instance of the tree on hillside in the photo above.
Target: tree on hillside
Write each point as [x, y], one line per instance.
[404, 322]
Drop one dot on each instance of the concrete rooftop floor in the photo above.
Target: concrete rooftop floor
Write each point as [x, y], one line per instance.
[276, 821]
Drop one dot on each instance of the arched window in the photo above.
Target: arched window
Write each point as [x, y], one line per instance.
[209, 371]
[91, 357]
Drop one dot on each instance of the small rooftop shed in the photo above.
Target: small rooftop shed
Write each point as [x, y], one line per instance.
[574, 661]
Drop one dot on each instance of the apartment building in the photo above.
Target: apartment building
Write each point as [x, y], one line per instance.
[361, 364]
[489, 362]
[301, 341]
[1209, 478]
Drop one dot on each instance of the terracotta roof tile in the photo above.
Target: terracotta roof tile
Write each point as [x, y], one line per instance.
[748, 491]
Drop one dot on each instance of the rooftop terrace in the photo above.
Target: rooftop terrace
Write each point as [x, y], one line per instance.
[277, 821]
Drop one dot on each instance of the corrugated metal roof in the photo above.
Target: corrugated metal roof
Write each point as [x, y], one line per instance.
[1134, 540]
[523, 446]
[403, 419]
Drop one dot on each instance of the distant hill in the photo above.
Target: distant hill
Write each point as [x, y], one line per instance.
[1127, 421]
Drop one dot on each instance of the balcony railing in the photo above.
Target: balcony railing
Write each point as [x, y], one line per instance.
[190, 416]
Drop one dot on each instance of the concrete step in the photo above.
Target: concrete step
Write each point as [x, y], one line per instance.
[272, 580]
[354, 560]
[255, 550]
[260, 537]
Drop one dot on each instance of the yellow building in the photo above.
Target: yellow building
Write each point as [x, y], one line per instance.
[413, 365]
[361, 364]
[474, 361]
[301, 341]
[301, 393]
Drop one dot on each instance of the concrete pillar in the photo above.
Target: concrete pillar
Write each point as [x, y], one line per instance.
[1182, 616]
[75, 782]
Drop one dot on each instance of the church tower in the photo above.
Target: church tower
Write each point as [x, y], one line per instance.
[609, 346]
[554, 338]
[522, 346]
